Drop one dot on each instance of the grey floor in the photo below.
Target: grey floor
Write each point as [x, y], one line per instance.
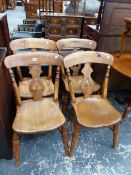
[44, 154]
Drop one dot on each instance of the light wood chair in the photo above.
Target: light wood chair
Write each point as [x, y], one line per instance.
[38, 114]
[31, 45]
[93, 111]
[71, 45]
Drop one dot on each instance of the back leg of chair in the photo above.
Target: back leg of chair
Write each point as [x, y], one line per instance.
[64, 101]
[16, 147]
[127, 109]
[71, 118]
[115, 134]
[64, 133]
[75, 138]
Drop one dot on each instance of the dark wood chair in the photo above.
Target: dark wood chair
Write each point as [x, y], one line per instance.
[39, 114]
[92, 111]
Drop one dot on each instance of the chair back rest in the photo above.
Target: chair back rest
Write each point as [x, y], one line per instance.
[72, 43]
[41, 58]
[32, 43]
[84, 57]
[87, 57]
[34, 61]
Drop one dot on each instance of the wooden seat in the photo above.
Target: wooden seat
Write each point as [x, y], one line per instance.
[87, 115]
[39, 114]
[32, 45]
[71, 45]
[92, 111]
[33, 116]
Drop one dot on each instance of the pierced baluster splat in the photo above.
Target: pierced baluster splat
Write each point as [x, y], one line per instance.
[76, 68]
[36, 86]
[88, 86]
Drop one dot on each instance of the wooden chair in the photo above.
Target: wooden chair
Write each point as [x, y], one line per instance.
[38, 114]
[33, 44]
[122, 62]
[92, 111]
[70, 45]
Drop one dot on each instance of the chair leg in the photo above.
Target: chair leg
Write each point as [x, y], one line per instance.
[75, 138]
[128, 108]
[71, 119]
[64, 133]
[64, 102]
[115, 135]
[16, 147]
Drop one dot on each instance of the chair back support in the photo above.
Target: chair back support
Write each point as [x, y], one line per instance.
[34, 61]
[86, 57]
[83, 57]
[32, 43]
[75, 43]
[33, 58]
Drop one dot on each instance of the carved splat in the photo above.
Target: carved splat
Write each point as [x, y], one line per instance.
[75, 49]
[88, 86]
[76, 68]
[36, 86]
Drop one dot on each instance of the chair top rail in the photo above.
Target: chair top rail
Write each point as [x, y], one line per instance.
[32, 43]
[76, 43]
[33, 58]
[83, 57]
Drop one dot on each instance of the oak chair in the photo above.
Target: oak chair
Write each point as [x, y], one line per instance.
[70, 45]
[32, 45]
[39, 114]
[92, 111]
